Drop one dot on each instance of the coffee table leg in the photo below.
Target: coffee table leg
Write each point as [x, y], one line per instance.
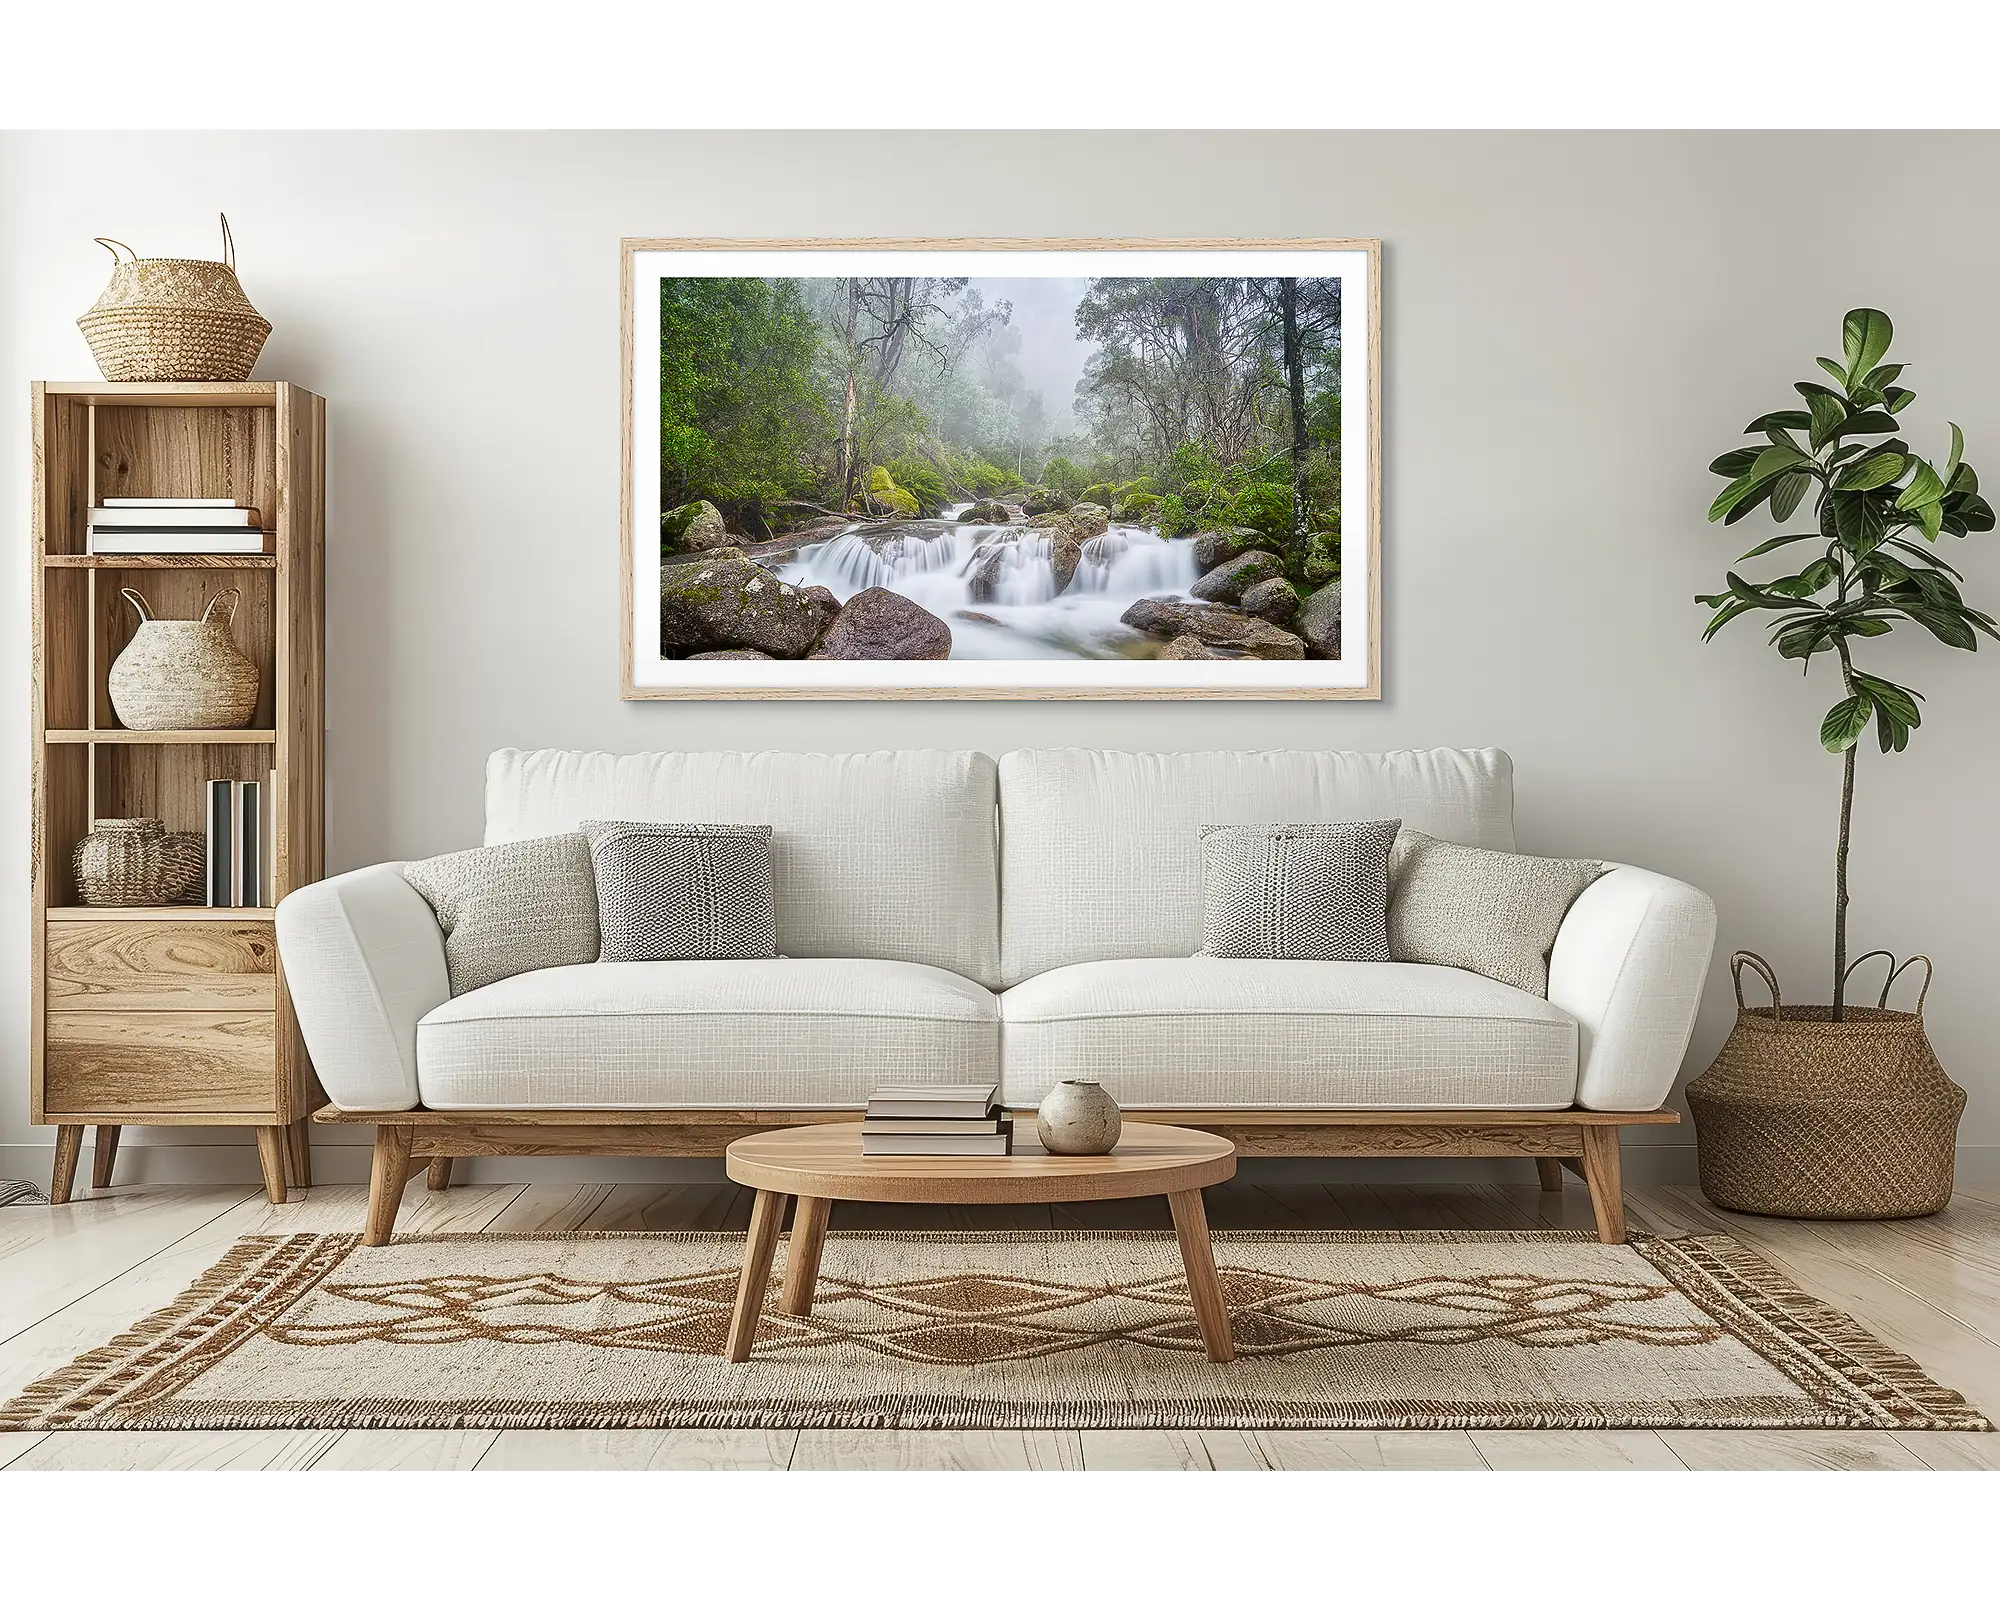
[1211, 1311]
[809, 1222]
[767, 1218]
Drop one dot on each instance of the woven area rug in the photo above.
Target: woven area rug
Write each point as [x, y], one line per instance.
[1003, 1330]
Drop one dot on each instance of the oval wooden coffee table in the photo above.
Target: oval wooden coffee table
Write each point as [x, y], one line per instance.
[823, 1163]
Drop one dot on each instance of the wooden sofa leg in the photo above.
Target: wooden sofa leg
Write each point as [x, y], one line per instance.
[1602, 1171]
[1551, 1170]
[386, 1178]
[271, 1159]
[437, 1175]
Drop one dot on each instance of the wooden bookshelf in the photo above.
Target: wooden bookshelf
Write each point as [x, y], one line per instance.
[172, 1015]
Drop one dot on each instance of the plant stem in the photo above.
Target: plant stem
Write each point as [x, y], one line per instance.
[1840, 858]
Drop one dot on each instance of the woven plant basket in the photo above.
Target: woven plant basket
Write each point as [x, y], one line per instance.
[134, 861]
[172, 321]
[1802, 1116]
[183, 674]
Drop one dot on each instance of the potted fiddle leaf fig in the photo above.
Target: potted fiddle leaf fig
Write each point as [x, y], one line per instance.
[1841, 1110]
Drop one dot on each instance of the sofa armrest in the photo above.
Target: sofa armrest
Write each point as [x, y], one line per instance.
[1629, 963]
[364, 960]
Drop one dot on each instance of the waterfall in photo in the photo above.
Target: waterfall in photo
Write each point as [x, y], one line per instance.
[995, 584]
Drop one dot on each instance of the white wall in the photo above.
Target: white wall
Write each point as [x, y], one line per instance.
[1574, 325]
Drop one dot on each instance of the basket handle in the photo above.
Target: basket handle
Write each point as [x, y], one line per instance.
[138, 604]
[228, 243]
[1929, 973]
[1870, 956]
[221, 611]
[114, 246]
[1757, 964]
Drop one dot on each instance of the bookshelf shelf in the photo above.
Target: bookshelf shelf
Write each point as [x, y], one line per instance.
[172, 1015]
[141, 563]
[161, 736]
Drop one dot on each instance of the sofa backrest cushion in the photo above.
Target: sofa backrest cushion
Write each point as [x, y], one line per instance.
[887, 856]
[1100, 855]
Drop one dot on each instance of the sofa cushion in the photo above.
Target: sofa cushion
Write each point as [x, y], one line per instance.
[1101, 849]
[705, 1033]
[1296, 891]
[511, 908]
[1489, 911]
[1286, 1034]
[888, 856]
[683, 891]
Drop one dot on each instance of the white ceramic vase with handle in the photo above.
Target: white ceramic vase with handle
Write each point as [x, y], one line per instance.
[1077, 1118]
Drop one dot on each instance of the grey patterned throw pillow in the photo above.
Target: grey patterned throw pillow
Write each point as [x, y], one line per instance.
[1296, 891]
[1486, 911]
[683, 891]
[511, 908]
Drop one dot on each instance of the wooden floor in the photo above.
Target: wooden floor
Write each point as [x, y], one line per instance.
[73, 1277]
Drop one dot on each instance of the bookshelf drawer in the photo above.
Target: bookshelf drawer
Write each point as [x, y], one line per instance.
[161, 966]
[106, 1063]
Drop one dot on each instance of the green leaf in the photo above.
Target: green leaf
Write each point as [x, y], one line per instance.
[1734, 463]
[1896, 399]
[1865, 422]
[1864, 397]
[1864, 336]
[1828, 413]
[1833, 369]
[1957, 454]
[1750, 502]
[1947, 627]
[1780, 419]
[1963, 481]
[1844, 723]
[1883, 376]
[1769, 545]
[1872, 472]
[1726, 615]
[1803, 640]
[1858, 522]
[1924, 489]
[1892, 700]
[1932, 518]
[1790, 491]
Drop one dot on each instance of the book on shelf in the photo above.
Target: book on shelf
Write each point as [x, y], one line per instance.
[960, 1101]
[179, 542]
[240, 832]
[125, 501]
[162, 514]
[996, 1140]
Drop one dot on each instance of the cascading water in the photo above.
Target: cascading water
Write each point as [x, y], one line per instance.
[995, 584]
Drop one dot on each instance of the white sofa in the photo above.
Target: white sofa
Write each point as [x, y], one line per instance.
[943, 917]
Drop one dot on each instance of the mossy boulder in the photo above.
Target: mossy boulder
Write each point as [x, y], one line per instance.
[1087, 519]
[1319, 621]
[985, 511]
[886, 491]
[1223, 627]
[1275, 600]
[733, 604]
[1042, 498]
[881, 625]
[1236, 577]
[1322, 563]
[696, 526]
[1065, 552]
[1213, 546]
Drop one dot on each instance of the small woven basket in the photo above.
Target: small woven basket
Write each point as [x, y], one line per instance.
[134, 861]
[1802, 1116]
[171, 321]
[175, 674]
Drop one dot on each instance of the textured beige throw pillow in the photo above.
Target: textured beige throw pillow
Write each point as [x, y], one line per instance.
[1486, 911]
[511, 908]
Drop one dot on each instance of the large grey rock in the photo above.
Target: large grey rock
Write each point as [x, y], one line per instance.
[1087, 519]
[1065, 551]
[982, 576]
[729, 655]
[1319, 621]
[695, 526]
[1042, 498]
[822, 600]
[1237, 576]
[985, 511]
[880, 625]
[1187, 648]
[1274, 600]
[733, 604]
[1222, 626]
[1214, 546]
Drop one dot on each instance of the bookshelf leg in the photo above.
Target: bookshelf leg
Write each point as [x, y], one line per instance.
[103, 1157]
[299, 1151]
[271, 1157]
[69, 1148]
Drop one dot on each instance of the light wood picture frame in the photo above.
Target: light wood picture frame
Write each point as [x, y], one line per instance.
[728, 343]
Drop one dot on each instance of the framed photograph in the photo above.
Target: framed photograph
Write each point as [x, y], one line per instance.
[1002, 468]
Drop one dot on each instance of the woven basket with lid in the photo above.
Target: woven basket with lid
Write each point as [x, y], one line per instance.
[171, 321]
[1802, 1116]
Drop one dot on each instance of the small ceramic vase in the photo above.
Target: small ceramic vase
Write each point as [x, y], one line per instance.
[1077, 1118]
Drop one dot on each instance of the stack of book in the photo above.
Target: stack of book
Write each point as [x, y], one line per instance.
[175, 527]
[955, 1120]
[240, 857]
